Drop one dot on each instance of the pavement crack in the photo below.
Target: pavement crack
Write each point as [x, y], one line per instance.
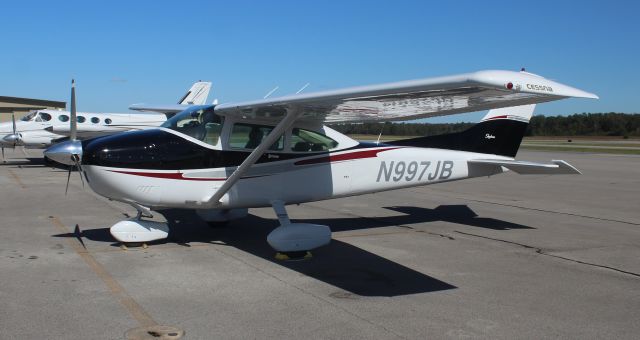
[542, 252]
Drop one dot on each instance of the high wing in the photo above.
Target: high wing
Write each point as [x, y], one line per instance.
[411, 99]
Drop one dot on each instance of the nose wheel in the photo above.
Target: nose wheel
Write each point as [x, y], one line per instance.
[135, 231]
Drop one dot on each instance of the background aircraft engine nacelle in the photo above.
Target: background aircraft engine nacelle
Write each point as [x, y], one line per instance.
[299, 237]
[133, 231]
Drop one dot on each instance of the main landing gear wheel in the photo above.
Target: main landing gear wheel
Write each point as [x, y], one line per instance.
[293, 241]
[293, 255]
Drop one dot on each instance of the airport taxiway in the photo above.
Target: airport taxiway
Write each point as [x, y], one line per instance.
[502, 257]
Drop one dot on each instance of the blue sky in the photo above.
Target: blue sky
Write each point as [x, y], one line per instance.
[151, 51]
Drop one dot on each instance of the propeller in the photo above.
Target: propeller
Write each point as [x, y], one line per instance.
[73, 121]
[14, 138]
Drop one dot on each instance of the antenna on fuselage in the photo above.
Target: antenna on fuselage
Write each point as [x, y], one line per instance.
[304, 87]
[271, 92]
[380, 135]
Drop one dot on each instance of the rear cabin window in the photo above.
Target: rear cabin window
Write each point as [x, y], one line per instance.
[45, 116]
[249, 136]
[309, 141]
[81, 119]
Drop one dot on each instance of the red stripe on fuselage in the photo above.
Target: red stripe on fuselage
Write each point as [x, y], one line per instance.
[165, 175]
[343, 157]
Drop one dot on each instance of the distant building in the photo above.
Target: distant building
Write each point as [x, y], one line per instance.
[21, 106]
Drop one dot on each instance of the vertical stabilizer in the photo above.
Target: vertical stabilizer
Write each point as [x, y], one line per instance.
[197, 94]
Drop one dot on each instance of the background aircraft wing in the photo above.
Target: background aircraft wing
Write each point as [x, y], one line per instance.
[411, 99]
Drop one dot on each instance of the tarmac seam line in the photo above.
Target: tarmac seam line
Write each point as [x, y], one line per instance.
[134, 309]
[311, 294]
[550, 211]
[17, 179]
[542, 252]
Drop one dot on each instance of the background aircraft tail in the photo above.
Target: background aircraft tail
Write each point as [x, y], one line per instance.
[197, 94]
[500, 132]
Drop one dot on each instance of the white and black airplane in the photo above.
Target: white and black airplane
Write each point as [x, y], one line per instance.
[223, 159]
[42, 128]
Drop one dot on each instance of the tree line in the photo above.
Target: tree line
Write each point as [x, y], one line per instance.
[582, 124]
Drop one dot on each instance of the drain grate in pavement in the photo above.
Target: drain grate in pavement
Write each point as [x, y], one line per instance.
[154, 332]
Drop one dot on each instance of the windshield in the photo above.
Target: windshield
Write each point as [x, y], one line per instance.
[28, 117]
[199, 122]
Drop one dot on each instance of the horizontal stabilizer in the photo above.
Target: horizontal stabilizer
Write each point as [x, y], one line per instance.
[557, 167]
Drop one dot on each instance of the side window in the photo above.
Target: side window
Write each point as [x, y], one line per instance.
[45, 116]
[81, 119]
[213, 130]
[107, 121]
[95, 120]
[309, 141]
[249, 136]
[63, 118]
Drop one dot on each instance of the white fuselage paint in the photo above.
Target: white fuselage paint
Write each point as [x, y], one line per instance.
[34, 135]
[350, 172]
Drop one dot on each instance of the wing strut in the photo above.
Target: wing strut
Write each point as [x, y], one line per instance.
[272, 137]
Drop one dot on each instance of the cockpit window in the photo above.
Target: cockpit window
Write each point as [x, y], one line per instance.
[28, 117]
[309, 141]
[200, 123]
[249, 136]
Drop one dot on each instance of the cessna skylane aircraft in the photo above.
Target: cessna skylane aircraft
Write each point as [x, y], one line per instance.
[223, 159]
[42, 128]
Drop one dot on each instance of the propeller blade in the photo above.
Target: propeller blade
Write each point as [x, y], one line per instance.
[74, 119]
[13, 118]
[68, 177]
[76, 160]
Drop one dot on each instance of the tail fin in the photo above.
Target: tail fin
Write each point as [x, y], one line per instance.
[197, 95]
[500, 132]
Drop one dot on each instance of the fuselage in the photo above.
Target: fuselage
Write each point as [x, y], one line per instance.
[167, 168]
[40, 128]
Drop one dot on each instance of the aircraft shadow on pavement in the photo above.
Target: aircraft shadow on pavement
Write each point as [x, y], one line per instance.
[339, 264]
[460, 214]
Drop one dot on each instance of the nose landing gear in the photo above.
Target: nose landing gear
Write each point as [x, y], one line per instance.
[136, 230]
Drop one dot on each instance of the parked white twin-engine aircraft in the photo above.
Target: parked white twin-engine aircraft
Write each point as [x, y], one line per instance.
[223, 159]
[42, 128]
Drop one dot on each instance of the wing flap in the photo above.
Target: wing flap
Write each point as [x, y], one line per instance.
[556, 167]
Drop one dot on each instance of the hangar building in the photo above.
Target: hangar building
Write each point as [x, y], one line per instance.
[21, 106]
